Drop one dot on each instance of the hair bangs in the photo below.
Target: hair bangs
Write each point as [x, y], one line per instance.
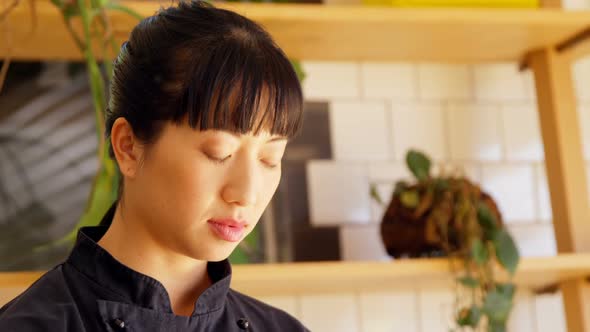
[244, 87]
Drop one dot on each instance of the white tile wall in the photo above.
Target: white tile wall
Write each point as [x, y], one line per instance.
[543, 199]
[550, 314]
[331, 80]
[389, 171]
[534, 240]
[385, 191]
[482, 118]
[338, 193]
[419, 126]
[522, 133]
[425, 309]
[513, 189]
[436, 309]
[359, 130]
[522, 316]
[331, 313]
[444, 82]
[384, 175]
[362, 243]
[474, 132]
[472, 171]
[389, 311]
[500, 82]
[575, 4]
[396, 81]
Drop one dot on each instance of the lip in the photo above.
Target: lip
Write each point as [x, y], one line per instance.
[229, 222]
[228, 229]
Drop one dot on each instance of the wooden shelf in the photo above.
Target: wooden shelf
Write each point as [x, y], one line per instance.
[342, 32]
[329, 277]
[268, 279]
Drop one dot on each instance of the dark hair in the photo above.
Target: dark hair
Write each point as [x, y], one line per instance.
[210, 65]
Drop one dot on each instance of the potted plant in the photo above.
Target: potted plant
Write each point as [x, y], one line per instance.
[449, 215]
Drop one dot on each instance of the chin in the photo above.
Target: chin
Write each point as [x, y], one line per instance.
[214, 255]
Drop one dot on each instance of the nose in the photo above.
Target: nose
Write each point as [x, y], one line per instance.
[243, 184]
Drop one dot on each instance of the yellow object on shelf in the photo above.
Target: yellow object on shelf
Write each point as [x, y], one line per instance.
[456, 3]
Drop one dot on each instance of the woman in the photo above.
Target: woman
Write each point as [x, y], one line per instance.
[202, 105]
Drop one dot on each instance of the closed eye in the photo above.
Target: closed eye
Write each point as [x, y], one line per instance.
[218, 160]
[271, 165]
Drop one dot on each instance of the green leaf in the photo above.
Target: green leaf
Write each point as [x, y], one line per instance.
[486, 218]
[248, 251]
[70, 11]
[124, 9]
[400, 187]
[410, 199]
[497, 306]
[419, 164]
[441, 185]
[497, 327]
[506, 250]
[468, 282]
[469, 316]
[506, 289]
[298, 70]
[479, 252]
[375, 195]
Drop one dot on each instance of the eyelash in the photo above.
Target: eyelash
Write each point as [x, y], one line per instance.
[217, 160]
[221, 161]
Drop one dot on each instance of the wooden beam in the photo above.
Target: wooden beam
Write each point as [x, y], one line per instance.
[342, 277]
[336, 32]
[565, 172]
[551, 3]
[576, 298]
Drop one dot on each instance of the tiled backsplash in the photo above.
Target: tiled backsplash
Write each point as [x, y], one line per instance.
[480, 117]
[411, 310]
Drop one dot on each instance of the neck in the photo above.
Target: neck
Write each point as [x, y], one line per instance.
[184, 278]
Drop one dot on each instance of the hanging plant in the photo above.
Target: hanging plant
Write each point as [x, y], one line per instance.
[93, 15]
[448, 215]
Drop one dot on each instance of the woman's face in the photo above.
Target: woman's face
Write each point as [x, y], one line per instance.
[199, 193]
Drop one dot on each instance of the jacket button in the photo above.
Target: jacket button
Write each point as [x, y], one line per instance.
[118, 323]
[243, 324]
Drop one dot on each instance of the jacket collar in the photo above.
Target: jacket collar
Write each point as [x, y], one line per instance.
[97, 264]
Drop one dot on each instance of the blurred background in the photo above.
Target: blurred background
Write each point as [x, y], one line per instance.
[360, 120]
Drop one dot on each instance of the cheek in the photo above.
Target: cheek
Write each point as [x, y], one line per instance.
[184, 185]
[269, 188]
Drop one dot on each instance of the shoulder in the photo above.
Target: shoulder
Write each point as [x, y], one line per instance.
[262, 314]
[44, 306]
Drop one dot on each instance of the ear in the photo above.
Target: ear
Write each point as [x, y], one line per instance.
[126, 147]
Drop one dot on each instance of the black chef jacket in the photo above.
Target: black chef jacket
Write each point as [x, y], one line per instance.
[92, 291]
